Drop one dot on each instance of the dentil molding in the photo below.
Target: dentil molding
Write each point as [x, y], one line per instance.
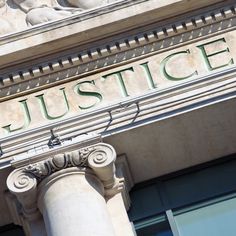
[79, 63]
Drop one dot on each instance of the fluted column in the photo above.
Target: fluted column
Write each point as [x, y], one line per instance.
[71, 191]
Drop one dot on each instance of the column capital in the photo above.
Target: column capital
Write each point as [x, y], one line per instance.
[99, 157]
[89, 171]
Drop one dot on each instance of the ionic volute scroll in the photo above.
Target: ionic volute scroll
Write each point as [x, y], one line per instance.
[24, 186]
[100, 158]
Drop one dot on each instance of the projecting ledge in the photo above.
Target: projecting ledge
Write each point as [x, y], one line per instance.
[90, 26]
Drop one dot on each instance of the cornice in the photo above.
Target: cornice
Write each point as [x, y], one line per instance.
[90, 26]
[84, 15]
[80, 63]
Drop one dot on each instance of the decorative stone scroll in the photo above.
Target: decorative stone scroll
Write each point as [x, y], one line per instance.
[45, 168]
[63, 183]
[100, 158]
[24, 186]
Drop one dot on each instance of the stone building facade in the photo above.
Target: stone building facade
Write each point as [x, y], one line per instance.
[117, 117]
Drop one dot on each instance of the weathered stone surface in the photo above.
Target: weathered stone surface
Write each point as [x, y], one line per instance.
[160, 148]
[86, 27]
[33, 12]
[154, 73]
[72, 195]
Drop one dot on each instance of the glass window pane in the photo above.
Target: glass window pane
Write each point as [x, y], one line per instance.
[213, 220]
[145, 202]
[159, 229]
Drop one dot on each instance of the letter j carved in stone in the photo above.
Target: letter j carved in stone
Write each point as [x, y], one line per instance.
[27, 118]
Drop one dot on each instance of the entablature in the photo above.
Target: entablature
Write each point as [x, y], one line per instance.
[199, 82]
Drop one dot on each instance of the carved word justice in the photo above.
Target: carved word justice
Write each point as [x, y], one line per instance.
[116, 81]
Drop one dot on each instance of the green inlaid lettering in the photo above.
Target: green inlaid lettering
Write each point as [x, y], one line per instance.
[88, 94]
[27, 118]
[120, 79]
[44, 109]
[165, 62]
[207, 56]
[150, 80]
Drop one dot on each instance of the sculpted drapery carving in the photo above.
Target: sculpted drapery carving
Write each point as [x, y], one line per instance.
[20, 14]
[37, 13]
[6, 25]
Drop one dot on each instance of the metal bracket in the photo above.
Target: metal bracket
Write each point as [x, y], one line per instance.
[54, 139]
[1, 151]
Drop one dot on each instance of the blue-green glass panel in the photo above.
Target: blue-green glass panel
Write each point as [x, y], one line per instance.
[159, 229]
[213, 220]
[145, 202]
[201, 185]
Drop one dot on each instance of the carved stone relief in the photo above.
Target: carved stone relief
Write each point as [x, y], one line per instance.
[61, 161]
[17, 15]
[99, 158]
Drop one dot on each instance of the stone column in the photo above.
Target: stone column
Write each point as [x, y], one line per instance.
[71, 191]
[72, 203]
[23, 202]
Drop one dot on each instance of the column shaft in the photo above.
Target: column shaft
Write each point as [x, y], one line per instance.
[119, 216]
[72, 204]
